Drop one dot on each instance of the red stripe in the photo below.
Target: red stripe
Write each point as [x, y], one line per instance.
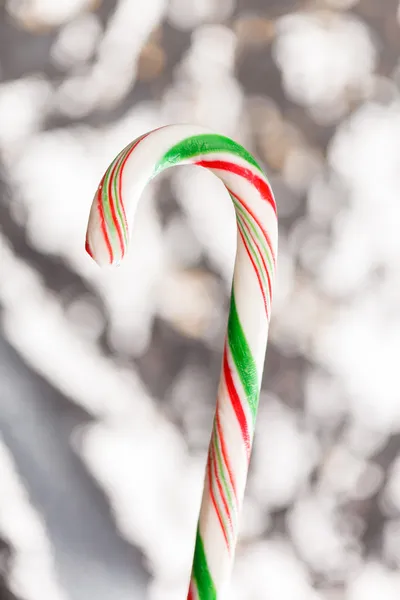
[123, 165]
[224, 451]
[264, 264]
[103, 225]
[254, 267]
[214, 501]
[221, 492]
[113, 211]
[100, 207]
[235, 400]
[251, 213]
[190, 593]
[259, 183]
[122, 168]
[120, 176]
[260, 253]
[87, 247]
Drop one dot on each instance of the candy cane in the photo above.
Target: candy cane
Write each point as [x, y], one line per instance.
[250, 308]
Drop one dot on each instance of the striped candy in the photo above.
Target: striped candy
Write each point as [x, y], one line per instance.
[244, 351]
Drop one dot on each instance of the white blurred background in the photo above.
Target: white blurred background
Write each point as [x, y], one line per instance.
[108, 378]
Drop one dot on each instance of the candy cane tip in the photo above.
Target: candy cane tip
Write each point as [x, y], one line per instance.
[101, 256]
[101, 244]
[88, 249]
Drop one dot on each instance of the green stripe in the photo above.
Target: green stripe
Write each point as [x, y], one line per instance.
[205, 585]
[219, 499]
[218, 454]
[259, 237]
[253, 251]
[243, 358]
[118, 200]
[106, 200]
[203, 144]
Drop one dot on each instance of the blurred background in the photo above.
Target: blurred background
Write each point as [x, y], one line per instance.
[108, 378]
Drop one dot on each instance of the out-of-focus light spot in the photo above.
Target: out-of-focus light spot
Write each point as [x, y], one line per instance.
[114, 72]
[283, 575]
[119, 50]
[363, 441]
[374, 580]
[392, 489]
[151, 63]
[86, 317]
[383, 90]
[188, 16]
[313, 526]
[33, 319]
[321, 56]
[301, 231]
[77, 96]
[391, 542]
[189, 301]
[23, 106]
[254, 31]
[76, 42]
[313, 251]
[54, 174]
[325, 402]
[276, 139]
[364, 152]
[365, 360]
[348, 475]
[284, 454]
[206, 90]
[33, 13]
[301, 166]
[172, 492]
[288, 200]
[325, 199]
[303, 315]
[309, 244]
[254, 520]
[213, 45]
[341, 4]
[284, 148]
[31, 570]
[190, 395]
[180, 242]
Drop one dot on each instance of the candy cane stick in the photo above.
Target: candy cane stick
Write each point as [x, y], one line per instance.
[244, 351]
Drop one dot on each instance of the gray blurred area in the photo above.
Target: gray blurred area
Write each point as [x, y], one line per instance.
[108, 380]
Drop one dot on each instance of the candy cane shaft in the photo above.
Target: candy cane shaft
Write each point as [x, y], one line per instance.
[250, 308]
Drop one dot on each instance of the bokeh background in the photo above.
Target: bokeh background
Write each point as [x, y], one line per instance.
[108, 378]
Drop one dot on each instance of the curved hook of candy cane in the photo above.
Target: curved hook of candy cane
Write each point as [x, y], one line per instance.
[244, 351]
